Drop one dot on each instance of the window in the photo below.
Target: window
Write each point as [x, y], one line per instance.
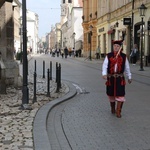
[63, 1]
[69, 1]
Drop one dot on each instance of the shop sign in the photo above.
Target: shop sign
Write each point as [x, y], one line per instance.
[101, 29]
[126, 21]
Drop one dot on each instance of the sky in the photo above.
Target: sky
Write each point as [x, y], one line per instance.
[48, 12]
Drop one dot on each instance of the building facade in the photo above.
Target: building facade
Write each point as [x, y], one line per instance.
[89, 27]
[16, 15]
[52, 38]
[115, 21]
[71, 20]
[32, 31]
[7, 43]
[58, 43]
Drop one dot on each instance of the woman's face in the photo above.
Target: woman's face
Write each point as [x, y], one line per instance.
[116, 47]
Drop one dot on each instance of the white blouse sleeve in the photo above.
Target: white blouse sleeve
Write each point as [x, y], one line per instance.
[127, 69]
[105, 66]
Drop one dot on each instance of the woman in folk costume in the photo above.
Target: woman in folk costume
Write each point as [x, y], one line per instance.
[113, 68]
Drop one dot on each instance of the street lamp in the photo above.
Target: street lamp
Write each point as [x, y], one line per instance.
[25, 91]
[142, 9]
[74, 34]
[90, 34]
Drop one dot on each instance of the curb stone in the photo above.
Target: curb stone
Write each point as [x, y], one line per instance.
[40, 136]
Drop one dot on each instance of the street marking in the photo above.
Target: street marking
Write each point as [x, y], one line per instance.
[77, 87]
[82, 90]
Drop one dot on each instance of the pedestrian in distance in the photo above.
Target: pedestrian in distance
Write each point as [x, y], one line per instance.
[66, 52]
[62, 53]
[57, 51]
[69, 51]
[114, 66]
[134, 54]
[53, 52]
[80, 51]
[98, 53]
[73, 52]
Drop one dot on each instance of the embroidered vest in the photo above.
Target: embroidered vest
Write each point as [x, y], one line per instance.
[120, 61]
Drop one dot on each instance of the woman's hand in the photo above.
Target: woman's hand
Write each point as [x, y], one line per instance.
[129, 81]
[105, 77]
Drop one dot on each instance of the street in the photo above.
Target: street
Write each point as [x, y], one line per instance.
[85, 121]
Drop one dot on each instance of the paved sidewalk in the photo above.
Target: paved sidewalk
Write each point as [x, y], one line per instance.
[135, 69]
[41, 140]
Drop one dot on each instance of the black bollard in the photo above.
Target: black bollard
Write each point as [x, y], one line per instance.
[48, 84]
[59, 75]
[34, 89]
[50, 70]
[57, 89]
[27, 68]
[35, 65]
[56, 71]
[43, 69]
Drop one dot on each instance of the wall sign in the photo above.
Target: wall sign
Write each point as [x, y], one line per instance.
[126, 21]
[101, 29]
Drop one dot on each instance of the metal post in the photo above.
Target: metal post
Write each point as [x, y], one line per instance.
[90, 44]
[34, 97]
[59, 75]
[56, 71]
[141, 60]
[58, 82]
[35, 66]
[43, 69]
[74, 34]
[35, 75]
[50, 70]
[25, 91]
[48, 84]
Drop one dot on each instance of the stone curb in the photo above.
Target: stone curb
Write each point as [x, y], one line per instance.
[40, 137]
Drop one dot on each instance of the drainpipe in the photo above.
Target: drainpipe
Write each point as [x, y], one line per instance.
[132, 25]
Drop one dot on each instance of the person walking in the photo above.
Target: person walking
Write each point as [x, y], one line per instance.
[134, 54]
[113, 68]
[62, 53]
[57, 52]
[98, 53]
[73, 52]
[66, 52]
